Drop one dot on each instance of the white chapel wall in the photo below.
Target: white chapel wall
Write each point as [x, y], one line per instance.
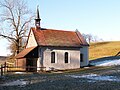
[60, 63]
[85, 53]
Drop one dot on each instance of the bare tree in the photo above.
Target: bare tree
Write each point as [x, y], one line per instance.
[91, 38]
[88, 37]
[15, 20]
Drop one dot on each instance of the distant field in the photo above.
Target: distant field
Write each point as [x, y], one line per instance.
[103, 49]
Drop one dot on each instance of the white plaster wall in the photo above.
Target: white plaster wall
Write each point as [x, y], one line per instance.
[31, 40]
[40, 59]
[38, 64]
[85, 53]
[60, 64]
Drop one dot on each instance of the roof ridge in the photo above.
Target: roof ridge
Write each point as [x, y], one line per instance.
[54, 29]
[59, 30]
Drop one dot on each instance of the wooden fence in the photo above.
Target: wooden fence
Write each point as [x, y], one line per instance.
[6, 68]
[3, 69]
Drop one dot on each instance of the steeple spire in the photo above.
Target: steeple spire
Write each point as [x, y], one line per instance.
[38, 16]
[37, 20]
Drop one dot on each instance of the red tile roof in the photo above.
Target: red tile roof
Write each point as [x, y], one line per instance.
[24, 52]
[50, 37]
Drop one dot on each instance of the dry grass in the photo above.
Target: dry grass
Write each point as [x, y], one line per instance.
[103, 49]
[12, 69]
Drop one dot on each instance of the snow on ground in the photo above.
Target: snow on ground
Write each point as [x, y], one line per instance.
[20, 83]
[20, 72]
[106, 63]
[95, 77]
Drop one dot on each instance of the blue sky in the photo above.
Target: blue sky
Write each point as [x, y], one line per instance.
[98, 17]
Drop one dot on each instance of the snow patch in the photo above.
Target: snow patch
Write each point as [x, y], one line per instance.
[20, 72]
[96, 77]
[107, 63]
[20, 82]
[83, 76]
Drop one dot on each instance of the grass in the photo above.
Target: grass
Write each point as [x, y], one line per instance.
[103, 49]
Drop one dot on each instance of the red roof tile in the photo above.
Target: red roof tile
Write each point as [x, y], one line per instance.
[50, 37]
[24, 52]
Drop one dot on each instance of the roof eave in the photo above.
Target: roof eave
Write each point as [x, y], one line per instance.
[85, 45]
[60, 46]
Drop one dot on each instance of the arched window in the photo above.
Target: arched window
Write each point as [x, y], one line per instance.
[66, 57]
[52, 57]
[81, 57]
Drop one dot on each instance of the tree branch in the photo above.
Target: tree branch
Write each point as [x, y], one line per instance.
[25, 24]
[7, 37]
[14, 15]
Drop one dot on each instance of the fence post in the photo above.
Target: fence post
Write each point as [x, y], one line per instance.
[1, 70]
[5, 66]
